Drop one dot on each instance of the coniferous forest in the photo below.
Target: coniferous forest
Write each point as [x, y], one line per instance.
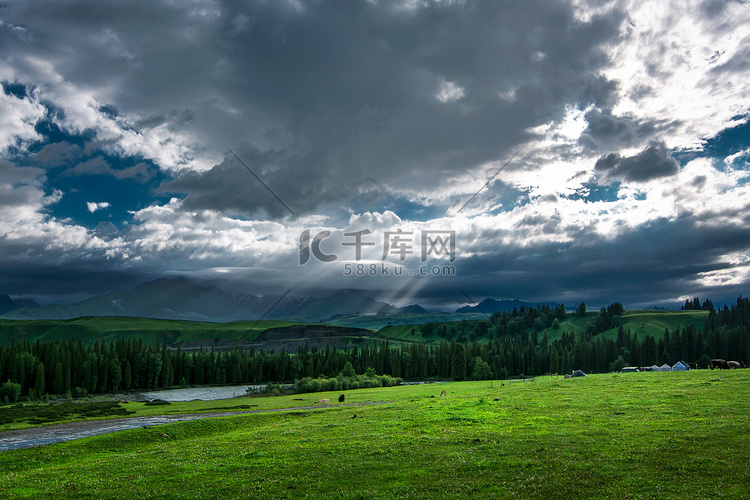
[509, 344]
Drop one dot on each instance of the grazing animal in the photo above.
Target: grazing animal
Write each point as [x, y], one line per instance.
[323, 401]
[442, 394]
[733, 364]
[341, 398]
[719, 363]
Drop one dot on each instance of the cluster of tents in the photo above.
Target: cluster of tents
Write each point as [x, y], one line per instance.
[680, 366]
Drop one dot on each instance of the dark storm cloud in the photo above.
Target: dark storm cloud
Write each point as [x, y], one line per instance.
[58, 154]
[652, 163]
[65, 283]
[638, 267]
[338, 105]
[25, 182]
[606, 131]
[343, 94]
[713, 8]
[297, 181]
[140, 172]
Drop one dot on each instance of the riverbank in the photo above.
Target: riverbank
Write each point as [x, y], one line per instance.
[69, 431]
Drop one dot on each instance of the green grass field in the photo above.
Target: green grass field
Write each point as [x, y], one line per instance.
[648, 435]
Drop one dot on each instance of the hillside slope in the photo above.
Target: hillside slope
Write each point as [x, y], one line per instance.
[89, 329]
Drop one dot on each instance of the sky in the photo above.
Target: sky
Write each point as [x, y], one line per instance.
[421, 151]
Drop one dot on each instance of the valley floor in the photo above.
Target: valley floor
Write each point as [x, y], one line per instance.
[640, 435]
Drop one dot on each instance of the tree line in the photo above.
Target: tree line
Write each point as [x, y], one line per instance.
[508, 344]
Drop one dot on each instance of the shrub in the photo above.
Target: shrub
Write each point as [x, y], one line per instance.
[10, 391]
[618, 364]
[482, 370]
[157, 402]
[79, 392]
[341, 383]
[303, 385]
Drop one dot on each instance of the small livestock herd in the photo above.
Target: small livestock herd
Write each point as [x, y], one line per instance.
[715, 363]
[724, 365]
[326, 401]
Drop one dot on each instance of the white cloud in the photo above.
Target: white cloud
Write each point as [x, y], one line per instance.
[736, 271]
[169, 148]
[94, 206]
[449, 92]
[668, 66]
[19, 118]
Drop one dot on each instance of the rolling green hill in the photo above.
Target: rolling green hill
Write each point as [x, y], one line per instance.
[400, 328]
[641, 323]
[378, 321]
[151, 331]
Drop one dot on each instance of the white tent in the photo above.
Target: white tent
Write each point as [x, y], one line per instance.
[665, 368]
[679, 367]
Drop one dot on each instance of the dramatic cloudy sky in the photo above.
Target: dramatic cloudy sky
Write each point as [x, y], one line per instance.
[579, 151]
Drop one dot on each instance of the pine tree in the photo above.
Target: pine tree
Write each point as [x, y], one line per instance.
[39, 384]
[348, 370]
[554, 361]
[127, 380]
[67, 372]
[58, 382]
[581, 311]
[566, 361]
[458, 362]
[115, 373]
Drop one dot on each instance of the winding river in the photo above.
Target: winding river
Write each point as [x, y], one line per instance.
[56, 433]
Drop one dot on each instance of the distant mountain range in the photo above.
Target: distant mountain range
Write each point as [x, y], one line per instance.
[182, 299]
[489, 306]
[7, 304]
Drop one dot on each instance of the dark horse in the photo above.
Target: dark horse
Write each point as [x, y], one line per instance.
[719, 363]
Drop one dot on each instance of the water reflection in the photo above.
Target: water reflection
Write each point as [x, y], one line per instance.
[200, 393]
